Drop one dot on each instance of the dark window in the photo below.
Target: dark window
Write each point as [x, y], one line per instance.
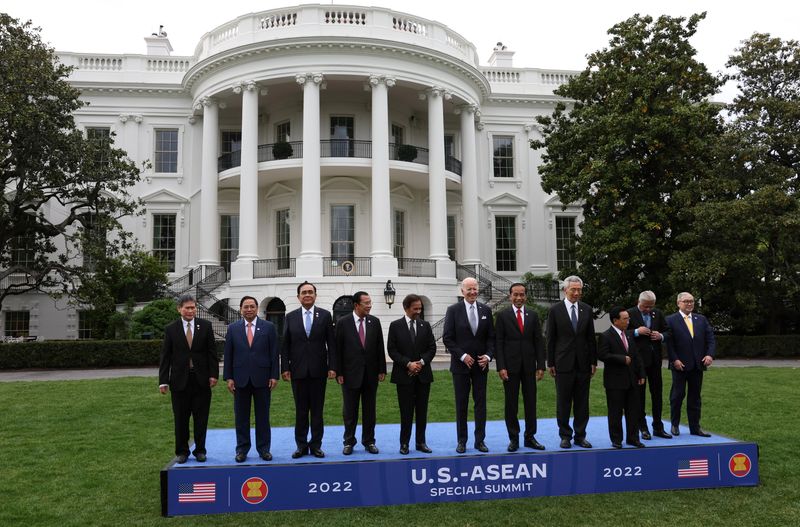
[565, 242]
[166, 151]
[503, 156]
[282, 238]
[101, 137]
[21, 252]
[84, 325]
[164, 239]
[399, 233]
[342, 233]
[451, 237]
[228, 240]
[18, 324]
[506, 243]
[342, 135]
[231, 142]
[283, 132]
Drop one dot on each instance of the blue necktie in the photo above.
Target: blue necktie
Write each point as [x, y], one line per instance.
[574, 319]
[647, 320]
[308, 323]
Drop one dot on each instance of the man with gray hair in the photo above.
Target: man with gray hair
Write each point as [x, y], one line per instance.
[649, 331]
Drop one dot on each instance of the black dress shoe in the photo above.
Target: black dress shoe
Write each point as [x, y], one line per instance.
[266, 456]
[461, 448]
[240, 457]
[372, 449]
[347, 450]
[316, 452]
[480, 446]
[513, 446]
[583, 443]
[422, 447]
[299, 453]
[565, 443]
[700, 432]
[616, 445]
[661, 434]
[201, 458]
[674, 430]
[533, 443]
[646, 435]
[404, 449]
[637, 444]
[181, 459]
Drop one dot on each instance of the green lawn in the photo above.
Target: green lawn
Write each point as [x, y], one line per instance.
[90, 452]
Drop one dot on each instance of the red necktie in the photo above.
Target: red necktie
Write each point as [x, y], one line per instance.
[249, 333]
[519, 321]
[624, 340]
[361, 335]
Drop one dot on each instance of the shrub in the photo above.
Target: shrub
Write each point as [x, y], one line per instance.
[282, 150]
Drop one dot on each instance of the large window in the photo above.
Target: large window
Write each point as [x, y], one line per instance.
[283, 132]
[228, 240]
[503, 156]
[164, 239]
[231, 141]
[451, 237]
[282, 238]
[94, 237]
[84, 324]
[18, 324]
[399, 234]
[397, 135]
[342, 134]
[505, 229]
[565, 242]
[343, 233]
[166, 151]
[21, 252]
[101, 137]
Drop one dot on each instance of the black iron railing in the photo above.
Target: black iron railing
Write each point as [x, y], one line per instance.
[274, 268]
[345, 148]
[452, 164]
[279, 151]
[358, 266]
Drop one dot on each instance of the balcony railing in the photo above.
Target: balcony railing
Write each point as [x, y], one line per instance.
[358, 266]
[408, 153]
[345, 148]
[416, 267]
[452, 164]
[274, 268]
[279, 151]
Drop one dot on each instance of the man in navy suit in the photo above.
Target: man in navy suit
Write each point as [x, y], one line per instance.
[572, 360]
[189, 368]
[622, 374]
[360, 366]
[520, 363]
[411, 346]
[690, 346]
[251, 369]
[468, 335]
[307, 360]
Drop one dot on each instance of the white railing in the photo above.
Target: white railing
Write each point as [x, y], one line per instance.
[225, 33]
[358, 18]
[502, 76]
[94, 63]
[457, 42]
[557, 78]
[409, 25]
[168, 65]
[277, 20]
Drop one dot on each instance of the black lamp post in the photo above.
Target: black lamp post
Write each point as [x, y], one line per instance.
[388, 293]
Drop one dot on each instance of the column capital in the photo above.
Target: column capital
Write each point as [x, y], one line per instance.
[376, 79]
[244, 85]
[468, 108]
[192, 119]
[123, 118]
[303, 78]
[436, 91]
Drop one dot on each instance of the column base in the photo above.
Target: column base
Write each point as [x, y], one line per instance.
[384, 267]
[446, 269]
[241, 270]
[308, 267]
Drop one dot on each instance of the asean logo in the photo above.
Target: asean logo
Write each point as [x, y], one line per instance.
[254, 491]
[739, 465]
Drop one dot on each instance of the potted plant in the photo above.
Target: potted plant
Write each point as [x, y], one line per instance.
[282, 150]
[406, 153]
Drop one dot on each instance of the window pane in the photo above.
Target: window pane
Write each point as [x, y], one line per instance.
[399, 233]
[503, 156]
[231, 142]
[343, 232]
[84, 325]
[282, 238]
[451, 237]
[101, 137]
[18, 324]
[228, 240]
[166, 151]
[506, 243]
[565, 242]
[283, 132]
[164, 239]
[21, 252]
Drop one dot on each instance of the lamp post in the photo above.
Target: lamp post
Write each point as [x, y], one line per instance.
[388, 293]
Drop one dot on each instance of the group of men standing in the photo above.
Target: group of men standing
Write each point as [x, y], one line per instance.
[315, 349]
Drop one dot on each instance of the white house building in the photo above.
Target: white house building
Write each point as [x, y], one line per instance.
[347, 146]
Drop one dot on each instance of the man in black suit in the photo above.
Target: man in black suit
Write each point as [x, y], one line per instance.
[650, 330]
[520, 362]
[622, 373]
[572, 360]
[188, 369]
[469, 337]
[307, 360]
[411, 346]
[360, 366]
[251, 371]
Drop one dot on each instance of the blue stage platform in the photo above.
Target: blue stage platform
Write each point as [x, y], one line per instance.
[389, 478]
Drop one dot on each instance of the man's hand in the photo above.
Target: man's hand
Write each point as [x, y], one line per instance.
[640, 382]
[539, 375]
[627, 360]
[552, 371]
[340, 379]
[678, 365]
[212, 382]
[594, 370]
[231, 386]
[381, 377]
[163, 389]
[643, 330]
[286, 376]
[331, 374]
[707, 360]
[469, 361]
[655, 335]
[483, 361]
[273, 383]
[503, 374]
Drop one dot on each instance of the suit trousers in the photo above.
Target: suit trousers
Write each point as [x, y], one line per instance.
[656, 385]
[572, 394]
[680, 379]
[413, 399]
[366, 394]
[309, 398]
[242, 397]
[511, 387]
[623, 400]
[193, 401]
[462, 382]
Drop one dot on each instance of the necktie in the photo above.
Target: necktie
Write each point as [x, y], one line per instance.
[688, 320]
[646, 320]
[249, 333]
[624, 341]
[361, 333]
[189, 334]
[413, 330]
[574, 318]
[519, 321]
[473, 319]
[308, 323]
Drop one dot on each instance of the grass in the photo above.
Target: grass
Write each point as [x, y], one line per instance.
[89, 453]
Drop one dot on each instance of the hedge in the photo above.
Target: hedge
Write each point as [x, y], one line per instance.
[763, 346]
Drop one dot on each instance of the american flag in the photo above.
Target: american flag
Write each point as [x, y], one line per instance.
[197, 492]
[693, 468]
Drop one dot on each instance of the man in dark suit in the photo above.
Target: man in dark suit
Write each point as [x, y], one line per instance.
[690, 346]
[189, 368]
[468, 335]
[622, 373]
[650, 331]
[307, 360]
[520, 362]
[572, 360]
[411, 346]
[251, 369]
[360, 366]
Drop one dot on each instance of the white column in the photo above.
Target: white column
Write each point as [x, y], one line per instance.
[242, 268]
[436, 183]
[469, 187]
[309, 263]
[209, 216]
[383, 262]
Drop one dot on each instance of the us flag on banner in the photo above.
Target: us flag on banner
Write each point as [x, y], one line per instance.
[197, 492]
[693, 468]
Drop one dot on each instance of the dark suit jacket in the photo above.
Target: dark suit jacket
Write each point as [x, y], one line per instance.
[649, 350]
[257, 363]
[565, 345]
[358, 363]
[617, 374]
[173, 367]
[458, 338]
[313, 355]
[402, 350]
[681, 345]
[516, 349]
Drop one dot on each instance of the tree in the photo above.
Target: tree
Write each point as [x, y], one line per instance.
[743, 247]
[635, 139]
[153, 318]
[58, 185]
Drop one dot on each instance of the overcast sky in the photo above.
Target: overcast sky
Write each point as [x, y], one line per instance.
[554, 34]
